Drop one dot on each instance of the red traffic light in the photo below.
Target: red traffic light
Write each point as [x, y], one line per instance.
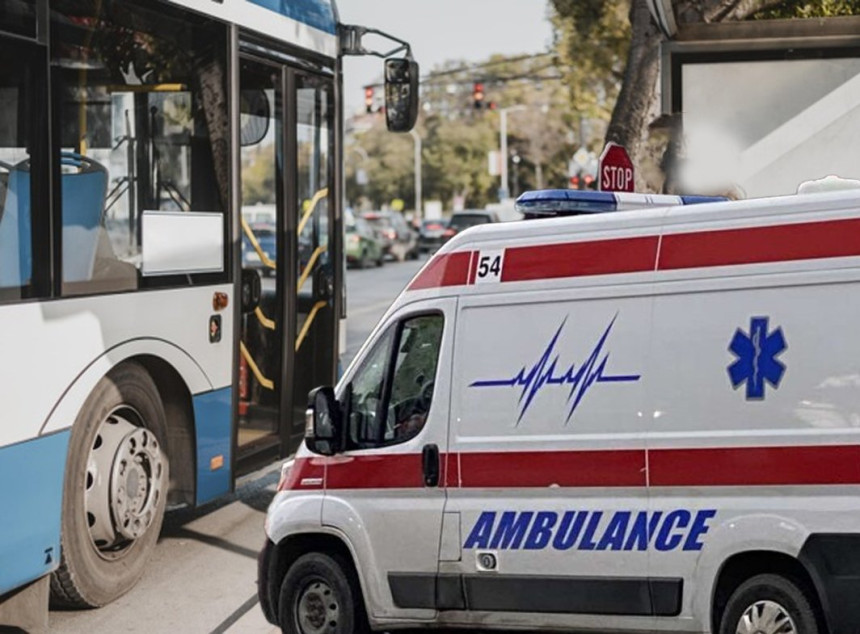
[478, 95]
[368, 99]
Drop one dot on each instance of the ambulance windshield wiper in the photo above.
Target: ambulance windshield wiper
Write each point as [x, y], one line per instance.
[543, 374]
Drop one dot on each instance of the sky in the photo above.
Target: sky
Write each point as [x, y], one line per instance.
[440, 30]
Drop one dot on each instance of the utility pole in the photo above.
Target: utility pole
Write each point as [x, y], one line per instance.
[503, 142]
[417, 138]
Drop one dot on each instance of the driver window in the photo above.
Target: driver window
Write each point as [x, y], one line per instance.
[390, 394]
[366, 392]
[413, 378]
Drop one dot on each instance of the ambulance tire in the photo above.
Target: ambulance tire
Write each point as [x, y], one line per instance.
[320, 593]
[121, 423]
[778, 596]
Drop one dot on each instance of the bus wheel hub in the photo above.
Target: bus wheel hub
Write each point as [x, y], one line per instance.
[125, 480]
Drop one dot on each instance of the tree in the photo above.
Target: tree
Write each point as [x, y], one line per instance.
[589, 30]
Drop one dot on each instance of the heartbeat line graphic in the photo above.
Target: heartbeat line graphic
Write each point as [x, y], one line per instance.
[543, 374]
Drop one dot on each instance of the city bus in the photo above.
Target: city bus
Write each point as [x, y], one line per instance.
[146, 363]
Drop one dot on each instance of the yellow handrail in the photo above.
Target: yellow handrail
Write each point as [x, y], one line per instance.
[262, 380]
[307, 325]
[311, 207]
[304, 278]
[253, 240]
[265, 322]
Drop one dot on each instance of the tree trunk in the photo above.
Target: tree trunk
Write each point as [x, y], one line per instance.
[630, 115]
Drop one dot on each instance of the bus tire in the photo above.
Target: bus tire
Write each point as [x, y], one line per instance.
[321, 594]
[114, 492]
[769, 603]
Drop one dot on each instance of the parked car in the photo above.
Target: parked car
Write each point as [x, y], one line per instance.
[363, 244]
[266, 235]
[399, 240]
[469, 218]
[431, 234]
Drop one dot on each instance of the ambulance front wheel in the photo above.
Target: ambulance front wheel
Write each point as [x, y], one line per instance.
[320, 595]
[769, 604]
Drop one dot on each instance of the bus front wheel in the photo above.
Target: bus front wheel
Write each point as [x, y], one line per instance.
[114, 491]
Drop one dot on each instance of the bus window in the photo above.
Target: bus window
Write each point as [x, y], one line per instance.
[143, 119]
[16, 257]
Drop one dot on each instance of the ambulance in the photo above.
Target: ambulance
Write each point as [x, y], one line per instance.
[641, 420]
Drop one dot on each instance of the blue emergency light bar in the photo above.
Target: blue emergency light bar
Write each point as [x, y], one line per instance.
[548, 203]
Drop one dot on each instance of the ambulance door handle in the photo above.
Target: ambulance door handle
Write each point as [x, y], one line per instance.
[430, 464]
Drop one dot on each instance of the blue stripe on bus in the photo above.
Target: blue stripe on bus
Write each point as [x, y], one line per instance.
[316, 13]
[31, 501]
[214, 439]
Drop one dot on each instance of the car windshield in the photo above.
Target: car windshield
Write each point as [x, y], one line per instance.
[462, 221]
[263, 232]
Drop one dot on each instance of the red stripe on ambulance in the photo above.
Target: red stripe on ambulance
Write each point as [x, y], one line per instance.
[449, 269]
[701, 467]
[701, 249]
[758, 245]
[577, 259]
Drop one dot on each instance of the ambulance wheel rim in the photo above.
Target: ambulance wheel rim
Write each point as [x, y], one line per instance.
[766, 617]
[317, 608]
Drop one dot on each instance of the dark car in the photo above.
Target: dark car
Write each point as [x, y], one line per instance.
[461, 220]
[266, 236]
[399, 240]
[431, 235]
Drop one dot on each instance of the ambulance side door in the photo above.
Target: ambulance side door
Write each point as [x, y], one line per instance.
[548, 474]
[384, 493]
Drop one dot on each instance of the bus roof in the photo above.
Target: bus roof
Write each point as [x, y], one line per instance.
[309, 24]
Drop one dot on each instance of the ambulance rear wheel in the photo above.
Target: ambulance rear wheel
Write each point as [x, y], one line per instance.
[114, 491]
[320, 595]
[769, 604]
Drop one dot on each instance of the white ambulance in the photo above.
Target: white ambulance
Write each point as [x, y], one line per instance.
[633, 421]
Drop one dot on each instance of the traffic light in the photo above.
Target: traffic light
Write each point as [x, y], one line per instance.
[478, 95]
[368, 99]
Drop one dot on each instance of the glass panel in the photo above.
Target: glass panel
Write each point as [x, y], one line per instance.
[16, 257]
[315, 321]
[414, 377]
[262, 331]
[141, 91]
[18, 17]
[364, 419]
[313, 136]
[776, 136]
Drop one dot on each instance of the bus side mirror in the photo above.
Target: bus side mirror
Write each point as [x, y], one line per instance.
[323, 422]
[401, 94]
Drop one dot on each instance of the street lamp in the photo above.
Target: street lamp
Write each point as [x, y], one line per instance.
[417, 138]
[503, 138]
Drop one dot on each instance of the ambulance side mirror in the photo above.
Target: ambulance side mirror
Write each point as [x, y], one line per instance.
[323, 422]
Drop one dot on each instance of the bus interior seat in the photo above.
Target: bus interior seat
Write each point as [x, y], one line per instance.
[83, 192]
[15, 261]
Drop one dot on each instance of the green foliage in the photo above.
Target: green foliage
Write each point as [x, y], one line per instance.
[258, 175]
[811, 9]
[592, 40]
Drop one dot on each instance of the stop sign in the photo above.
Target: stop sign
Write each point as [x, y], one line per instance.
[616, 169]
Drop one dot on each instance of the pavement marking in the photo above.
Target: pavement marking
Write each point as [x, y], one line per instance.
[236, 615]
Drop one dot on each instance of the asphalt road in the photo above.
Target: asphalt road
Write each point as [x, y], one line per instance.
[203, 575]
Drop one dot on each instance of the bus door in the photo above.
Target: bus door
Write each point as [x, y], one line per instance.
[289, 343]
[317, 257]
[263, 230]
